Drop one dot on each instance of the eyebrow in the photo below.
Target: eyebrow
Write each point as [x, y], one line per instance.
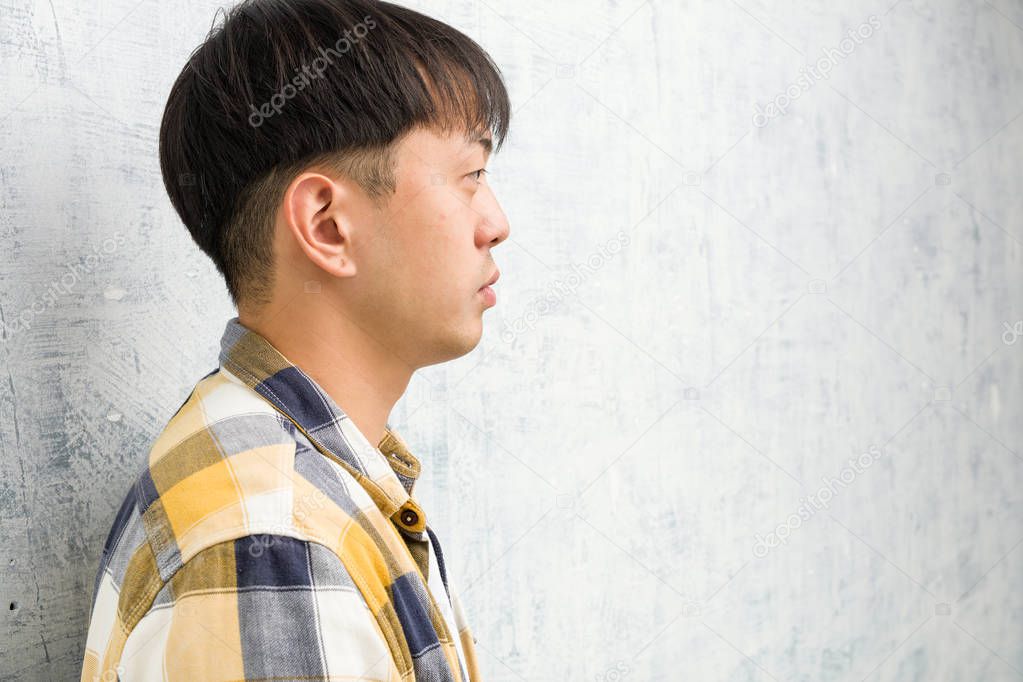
[487, 145]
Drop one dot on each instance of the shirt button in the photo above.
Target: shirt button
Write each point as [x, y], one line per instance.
[409, 517]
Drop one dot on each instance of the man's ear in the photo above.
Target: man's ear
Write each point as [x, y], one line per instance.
[320, 212]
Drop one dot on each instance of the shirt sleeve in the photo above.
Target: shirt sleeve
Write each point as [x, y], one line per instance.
[257, 608]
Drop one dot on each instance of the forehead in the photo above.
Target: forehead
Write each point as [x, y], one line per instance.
[432, 147]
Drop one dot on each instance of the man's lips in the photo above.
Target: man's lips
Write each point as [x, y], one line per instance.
[488, 294]
[493, 278]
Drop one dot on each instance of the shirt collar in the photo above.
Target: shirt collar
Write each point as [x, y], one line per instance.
[388, 471]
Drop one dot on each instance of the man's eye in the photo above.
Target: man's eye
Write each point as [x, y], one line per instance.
[478, 174]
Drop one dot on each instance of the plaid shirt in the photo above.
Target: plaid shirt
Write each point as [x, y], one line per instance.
[266, 538]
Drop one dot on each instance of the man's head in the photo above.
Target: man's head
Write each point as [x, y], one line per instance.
[330, 149]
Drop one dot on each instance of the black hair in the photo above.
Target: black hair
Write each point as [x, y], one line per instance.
[282, 85]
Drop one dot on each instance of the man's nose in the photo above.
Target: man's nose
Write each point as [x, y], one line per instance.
[495, 224]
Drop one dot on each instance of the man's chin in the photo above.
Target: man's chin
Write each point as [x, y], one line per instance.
[457, 344]
[469, 339]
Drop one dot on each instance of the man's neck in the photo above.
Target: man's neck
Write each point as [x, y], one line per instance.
[358, 372]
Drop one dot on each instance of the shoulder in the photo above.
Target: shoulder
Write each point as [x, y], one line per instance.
[226, 466]
[223, 467]
[234, 500]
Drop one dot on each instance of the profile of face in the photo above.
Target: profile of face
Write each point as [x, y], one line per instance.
[409, 272]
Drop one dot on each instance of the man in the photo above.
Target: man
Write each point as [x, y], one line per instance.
[329, 157]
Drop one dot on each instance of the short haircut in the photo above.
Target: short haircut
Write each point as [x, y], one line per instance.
[284, 85]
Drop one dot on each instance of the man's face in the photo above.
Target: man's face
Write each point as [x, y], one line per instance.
[422, 265]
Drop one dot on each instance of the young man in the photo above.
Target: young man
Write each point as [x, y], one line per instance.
[328, 155]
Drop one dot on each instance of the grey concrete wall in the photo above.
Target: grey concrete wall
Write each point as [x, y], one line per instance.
[748, 407]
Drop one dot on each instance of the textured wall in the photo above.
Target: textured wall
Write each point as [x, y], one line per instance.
[748, 407]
